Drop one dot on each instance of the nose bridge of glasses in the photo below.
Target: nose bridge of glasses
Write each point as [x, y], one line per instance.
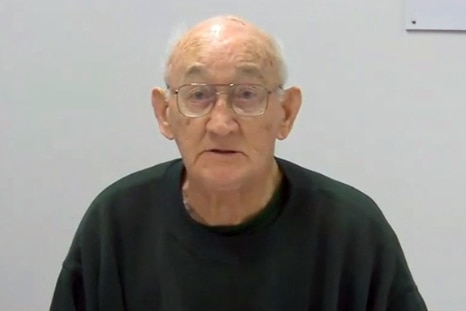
[220, 90]
[225, 92]
[220, 102]
[222, 105]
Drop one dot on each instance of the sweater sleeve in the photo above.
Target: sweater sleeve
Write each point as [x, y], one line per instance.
[89, 279]
[405, 294]
[409, 301]
[69, 291]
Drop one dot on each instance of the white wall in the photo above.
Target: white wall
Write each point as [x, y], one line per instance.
[384, 110]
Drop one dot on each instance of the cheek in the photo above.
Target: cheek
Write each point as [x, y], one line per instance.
[188, 136]
[272, 123]
[178, 123]
[262, 138]
[270, 128]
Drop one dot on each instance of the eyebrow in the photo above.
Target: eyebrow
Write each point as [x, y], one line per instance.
[195, 69]
[250, 70]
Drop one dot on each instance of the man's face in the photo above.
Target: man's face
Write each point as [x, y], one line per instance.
[222, 149]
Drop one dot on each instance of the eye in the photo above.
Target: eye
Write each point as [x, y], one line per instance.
[199, 93]
[246, 92]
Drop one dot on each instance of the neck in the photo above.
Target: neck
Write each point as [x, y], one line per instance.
[226, 208]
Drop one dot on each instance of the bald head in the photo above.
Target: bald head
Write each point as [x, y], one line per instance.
[228, 36]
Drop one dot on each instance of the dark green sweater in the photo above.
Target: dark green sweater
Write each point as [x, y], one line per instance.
[319, 245]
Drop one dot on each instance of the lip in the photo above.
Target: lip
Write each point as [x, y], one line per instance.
[222, 151]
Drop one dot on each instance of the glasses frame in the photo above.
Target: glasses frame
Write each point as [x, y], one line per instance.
[229, 85]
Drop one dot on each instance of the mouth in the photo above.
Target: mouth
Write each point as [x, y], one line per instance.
[222, 151]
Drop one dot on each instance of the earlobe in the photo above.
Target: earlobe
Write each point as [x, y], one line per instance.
[161, 107]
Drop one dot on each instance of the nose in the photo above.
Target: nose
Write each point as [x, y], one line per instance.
[221, 118]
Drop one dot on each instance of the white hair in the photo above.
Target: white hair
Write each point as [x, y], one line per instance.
[278, 53]
[177, 33]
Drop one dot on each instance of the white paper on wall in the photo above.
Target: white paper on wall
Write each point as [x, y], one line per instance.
[435, 15]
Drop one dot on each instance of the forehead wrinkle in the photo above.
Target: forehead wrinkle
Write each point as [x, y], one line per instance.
[253, 61]
[255, 46]
[256, 60]
[241, 70]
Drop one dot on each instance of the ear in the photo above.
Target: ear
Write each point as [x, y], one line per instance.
[291, 102]
[161, 106]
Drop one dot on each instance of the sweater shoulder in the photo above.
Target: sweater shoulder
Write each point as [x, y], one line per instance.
[340, 198]
[138, 180]
[131, 197]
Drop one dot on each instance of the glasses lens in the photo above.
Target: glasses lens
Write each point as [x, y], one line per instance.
[248, 99]
[195, 100]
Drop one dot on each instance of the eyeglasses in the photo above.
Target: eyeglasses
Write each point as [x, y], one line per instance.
[197, 99]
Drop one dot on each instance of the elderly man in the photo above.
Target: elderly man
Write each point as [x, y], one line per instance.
[229, 226]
